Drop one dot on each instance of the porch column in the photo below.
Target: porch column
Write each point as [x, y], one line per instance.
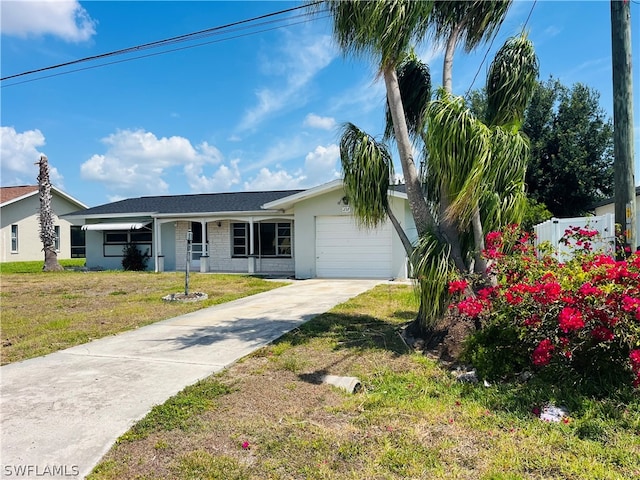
[156, 245]
[204, 258]
[252, 256]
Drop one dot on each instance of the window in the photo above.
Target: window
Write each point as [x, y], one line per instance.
[115, 241]
[269, 239]
[56, 241]
[78, 243]
[14, 238]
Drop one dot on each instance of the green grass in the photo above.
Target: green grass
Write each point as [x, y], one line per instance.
[411, 420]
[36, 266]
[47, 311]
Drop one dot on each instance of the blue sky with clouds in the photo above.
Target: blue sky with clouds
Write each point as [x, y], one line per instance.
[255, 107]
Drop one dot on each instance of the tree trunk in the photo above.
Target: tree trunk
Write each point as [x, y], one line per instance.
[480, 263]
[47, 227]
[421, 215]
[406, 243]
[448, 226]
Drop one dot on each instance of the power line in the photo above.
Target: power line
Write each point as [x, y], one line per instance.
[161, 53]
[160, 43]
[491, 45]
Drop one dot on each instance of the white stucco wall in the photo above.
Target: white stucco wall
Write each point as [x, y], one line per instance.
[24, 213]
[330, 203]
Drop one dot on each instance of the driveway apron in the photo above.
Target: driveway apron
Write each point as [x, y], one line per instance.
[62, 412]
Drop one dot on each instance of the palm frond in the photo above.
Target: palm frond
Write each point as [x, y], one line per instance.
[367, 167]
[433, 268]
[384, 29]
[511, 81]
[459, 149]
[480, 19]
[414, 79]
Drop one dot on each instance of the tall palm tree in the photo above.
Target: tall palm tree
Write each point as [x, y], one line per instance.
[385, 30]
[47, 227]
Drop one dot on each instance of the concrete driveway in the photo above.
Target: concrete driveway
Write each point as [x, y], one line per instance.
[62, 412]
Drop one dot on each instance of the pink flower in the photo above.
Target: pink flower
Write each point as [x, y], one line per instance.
[602, 334]
[246, 445]
[634, 356]
[570, 319]
[470, 307]
[458, 286]
[542, 353]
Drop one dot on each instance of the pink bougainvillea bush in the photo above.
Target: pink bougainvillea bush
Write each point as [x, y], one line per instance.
[573, 320]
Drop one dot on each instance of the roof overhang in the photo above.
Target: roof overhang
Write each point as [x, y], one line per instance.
[114, 226]
[286, 203]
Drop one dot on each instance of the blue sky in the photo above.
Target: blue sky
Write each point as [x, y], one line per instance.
[257, 108]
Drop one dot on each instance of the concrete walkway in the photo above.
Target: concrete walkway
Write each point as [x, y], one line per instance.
[62, 412]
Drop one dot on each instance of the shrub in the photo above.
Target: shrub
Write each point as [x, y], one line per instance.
[577, 321]
[133, 258]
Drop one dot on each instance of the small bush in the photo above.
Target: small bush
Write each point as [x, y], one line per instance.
[576, 322]
[133, 259]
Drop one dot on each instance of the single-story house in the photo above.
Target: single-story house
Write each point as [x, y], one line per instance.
[20, 224]
[302, 233]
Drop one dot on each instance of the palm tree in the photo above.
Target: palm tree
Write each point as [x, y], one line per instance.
[47, 227]
[386, 30]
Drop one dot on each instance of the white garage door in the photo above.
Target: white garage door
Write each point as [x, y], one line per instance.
[345, 251]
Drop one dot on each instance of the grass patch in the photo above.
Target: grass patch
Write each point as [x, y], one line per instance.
[37, 265]
[411, 420]
[47, 311]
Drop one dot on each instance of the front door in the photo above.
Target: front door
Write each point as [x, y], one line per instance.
[196, 245]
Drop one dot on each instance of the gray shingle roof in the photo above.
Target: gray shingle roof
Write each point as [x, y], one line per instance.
[181, 204]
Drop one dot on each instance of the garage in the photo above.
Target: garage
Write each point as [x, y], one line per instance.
[343, 250]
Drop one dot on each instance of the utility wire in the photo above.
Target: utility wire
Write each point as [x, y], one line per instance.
[491, 45]
[163, 52]
[160, 43]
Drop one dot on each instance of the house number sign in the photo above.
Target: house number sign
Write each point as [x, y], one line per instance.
[346, 209]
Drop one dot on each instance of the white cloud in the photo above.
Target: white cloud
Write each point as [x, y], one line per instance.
[222, 180]
[19, 153]
[319, 167]
[136, 161]
[65, 19]
[320, 164]
[299, 60]
[315, 121]
[278, 180]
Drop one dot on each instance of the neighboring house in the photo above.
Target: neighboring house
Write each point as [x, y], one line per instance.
[609, 206]
[20, 224]
[302, 233]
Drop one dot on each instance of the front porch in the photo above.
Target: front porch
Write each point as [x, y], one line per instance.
[255, 245]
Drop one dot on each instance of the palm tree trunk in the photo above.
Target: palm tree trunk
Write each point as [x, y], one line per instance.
[449, 231]
[448, 226]
[47, 227]
[421, 215]
[406, 243]
[480, 263]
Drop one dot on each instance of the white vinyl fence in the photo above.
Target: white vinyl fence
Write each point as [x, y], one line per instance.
[553, 230]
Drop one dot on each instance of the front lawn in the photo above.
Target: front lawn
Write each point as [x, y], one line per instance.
[268, 417]
[43, 312]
